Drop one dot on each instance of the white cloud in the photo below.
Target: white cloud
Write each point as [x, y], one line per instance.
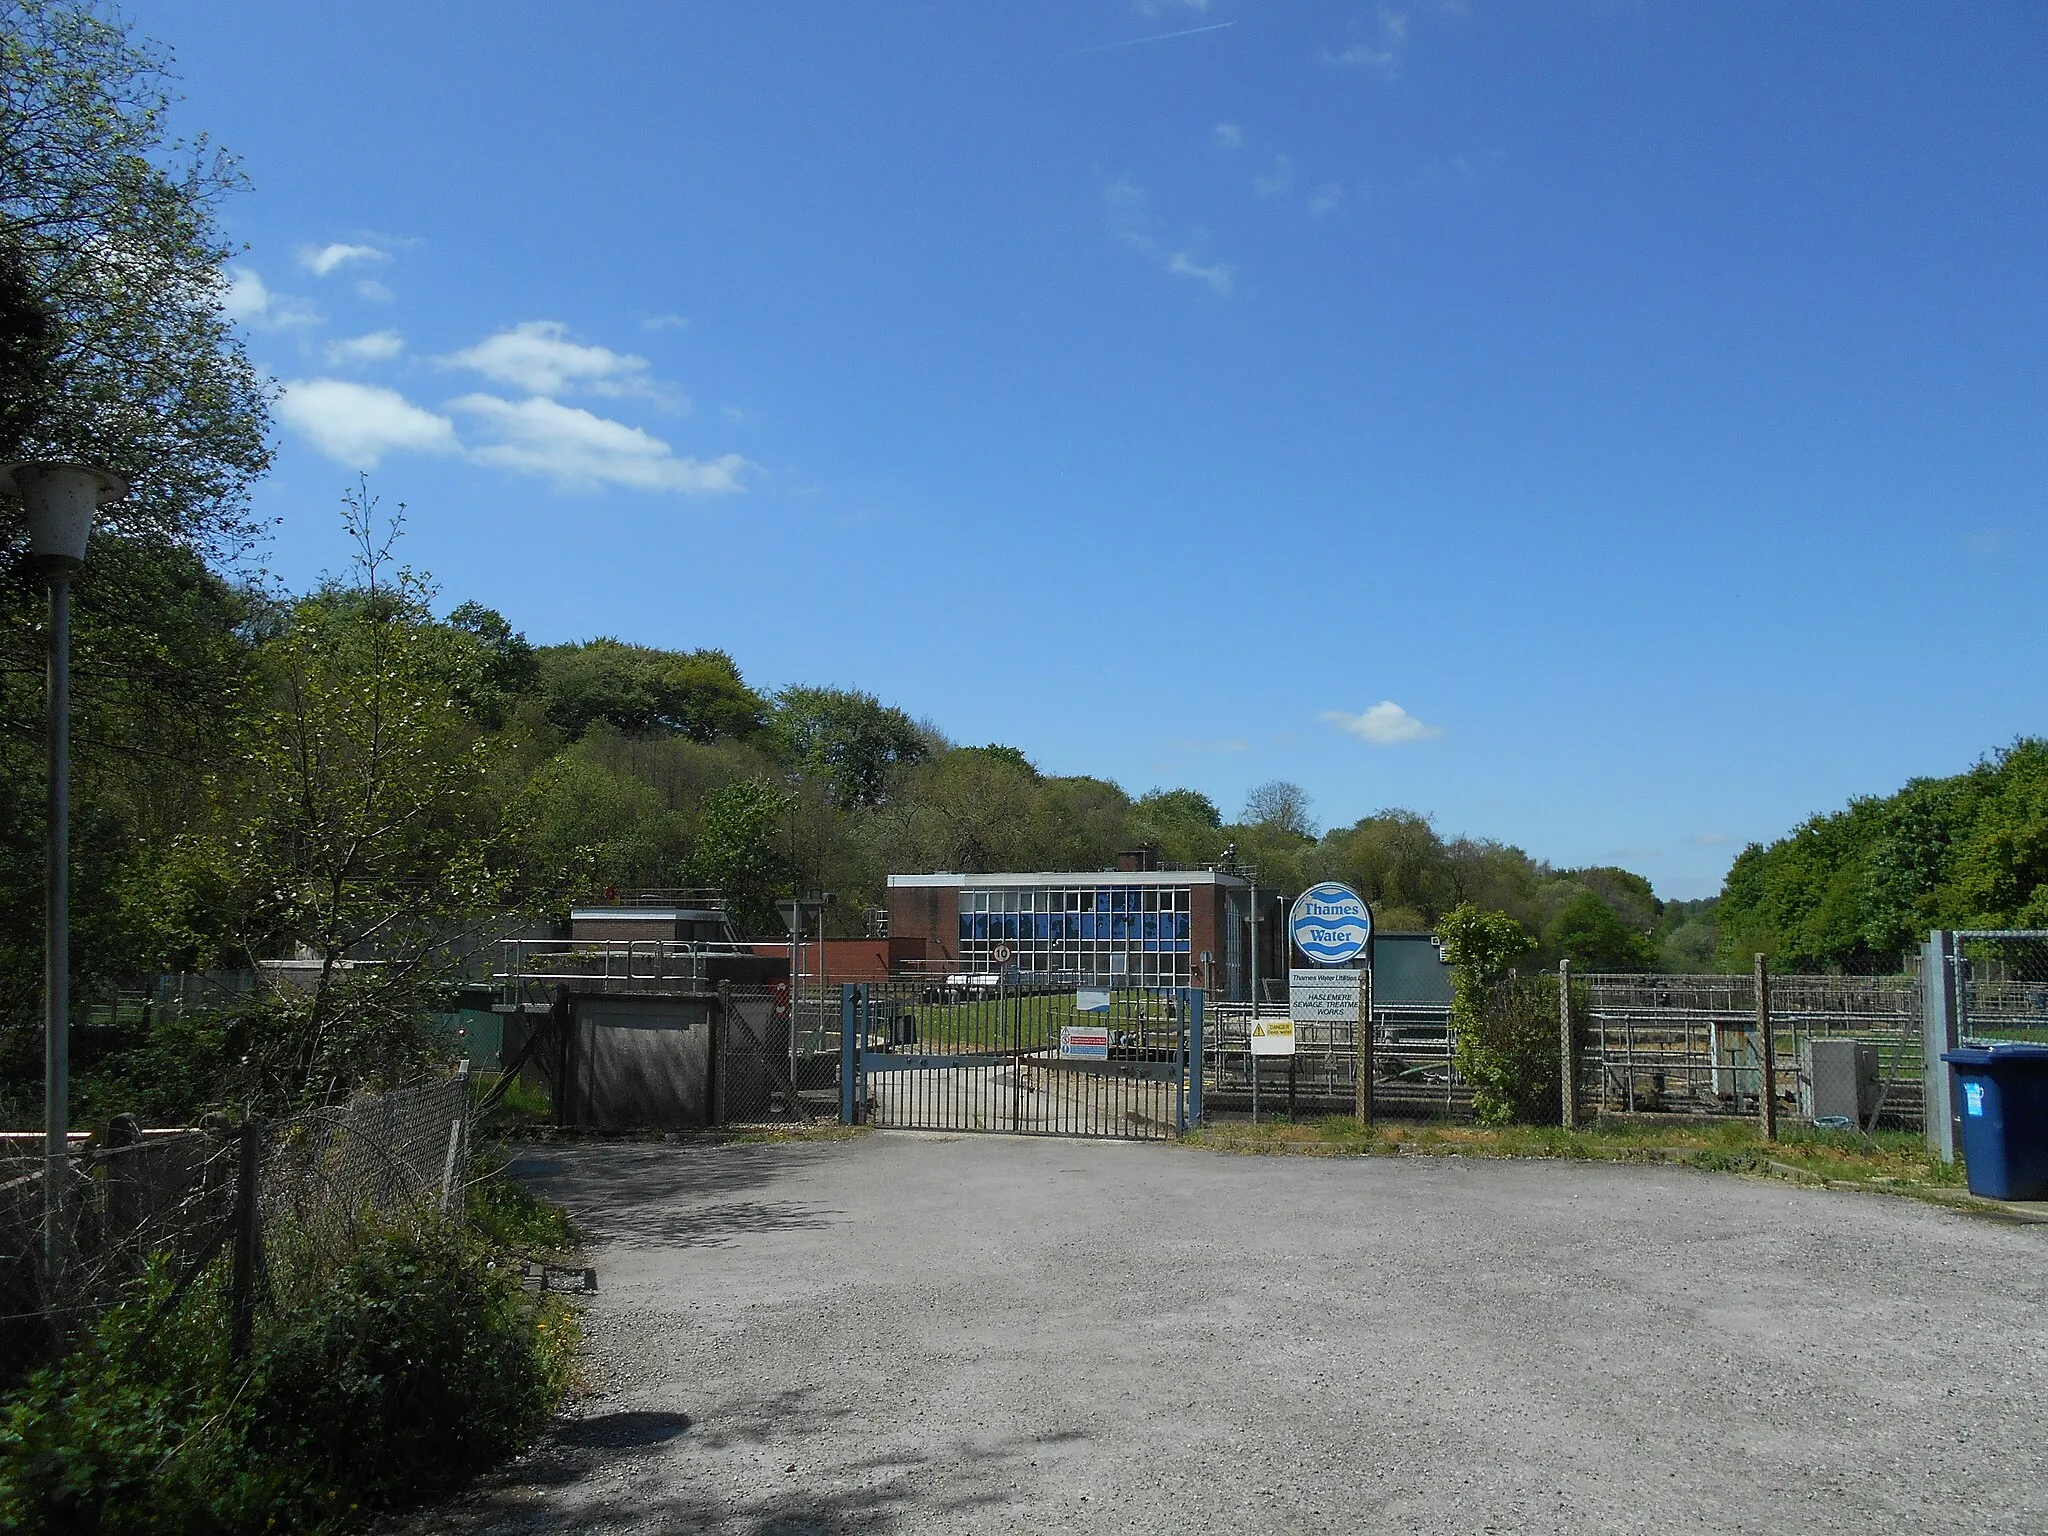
[320, 260]
[1328, 199]
[538, 357]
[377, 347]
[357, 424]
[1228, 135]
[246, 298]
[1276, 181]
[580, 451]
[1135, 223]
[1216, 275]
[1382, 55]
[668, 322]
[1386, 724]
[369, 288]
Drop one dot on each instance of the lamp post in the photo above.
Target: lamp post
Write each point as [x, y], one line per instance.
[59, 500]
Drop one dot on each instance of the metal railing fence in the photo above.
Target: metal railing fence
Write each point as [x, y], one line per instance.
[1690, 1044]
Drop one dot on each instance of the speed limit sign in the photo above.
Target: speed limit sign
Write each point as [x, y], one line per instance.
[1002, 954]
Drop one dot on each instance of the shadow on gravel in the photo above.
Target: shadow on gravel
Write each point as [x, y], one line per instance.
[654, 1195]
[623, 1431]
[611, 1474]
[703, 1226]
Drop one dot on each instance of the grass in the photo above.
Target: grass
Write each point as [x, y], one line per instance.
[1890, 1161]
[1031, 1022]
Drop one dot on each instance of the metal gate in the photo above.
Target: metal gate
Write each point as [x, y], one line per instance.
[1002, 1054]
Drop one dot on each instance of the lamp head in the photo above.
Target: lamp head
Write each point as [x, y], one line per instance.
[60, 500]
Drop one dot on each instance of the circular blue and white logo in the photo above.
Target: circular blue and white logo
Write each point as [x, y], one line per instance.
[1330, 924]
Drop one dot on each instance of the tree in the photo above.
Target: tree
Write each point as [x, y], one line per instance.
[738, 835]
[111, 275]
[365, 826]
[860, 744]
[1279, 806]
[1396, 861]
[643, 691]
[509, 668]
[1183, 822]
[1852, 890]
[1592, 936]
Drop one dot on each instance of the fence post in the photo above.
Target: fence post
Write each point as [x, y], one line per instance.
[1567, 1056]
[449, 1164]
[1940, 1030]
[1767, 1053]
[248, 1239]
[1361, 1083]
[847, 1050]
[718, 1049]
[1195, 1068]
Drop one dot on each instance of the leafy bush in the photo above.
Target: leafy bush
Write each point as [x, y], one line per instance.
[415, 1362]
[510, 1217]
[1506, 1025]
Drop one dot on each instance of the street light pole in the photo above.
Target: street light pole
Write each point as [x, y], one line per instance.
[59, 500]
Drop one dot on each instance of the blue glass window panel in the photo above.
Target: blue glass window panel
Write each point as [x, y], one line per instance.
[1044, 926]
[1102, 901]
[1010, 925]
[1151, 929]
[1087, 925]
[1119, 928]
[1181, 945]
[1119, 900]
[1152, 946]
[966, 926]
[1180, 925]
[981, 925]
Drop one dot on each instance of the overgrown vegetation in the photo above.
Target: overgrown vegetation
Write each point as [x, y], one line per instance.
[1854, 889]
[404, 1368]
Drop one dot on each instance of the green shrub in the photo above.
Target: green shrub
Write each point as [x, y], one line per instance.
[414, 1362]
[509, 1217]
[1506, 1024]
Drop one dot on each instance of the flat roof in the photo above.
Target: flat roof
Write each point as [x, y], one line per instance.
[650, 914]
[1071, 877]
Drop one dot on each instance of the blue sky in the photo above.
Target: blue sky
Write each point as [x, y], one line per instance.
[1615, 428]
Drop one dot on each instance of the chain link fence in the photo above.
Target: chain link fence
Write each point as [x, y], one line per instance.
[302, 1188]
[2002, 987]
[757, 1078]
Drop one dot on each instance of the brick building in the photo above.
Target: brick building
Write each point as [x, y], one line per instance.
[1127, 927]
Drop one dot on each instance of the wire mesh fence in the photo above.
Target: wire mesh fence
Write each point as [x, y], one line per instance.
[2002, 992]
[760, 1066]
[302, 1187]
[1694, 1044]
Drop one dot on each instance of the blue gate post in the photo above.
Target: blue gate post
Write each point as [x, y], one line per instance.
[849, 1051]
[1194, 1070]
[1180, 1063]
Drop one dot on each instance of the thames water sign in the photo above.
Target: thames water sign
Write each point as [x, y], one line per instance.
[1330, 924]
[1323, 997]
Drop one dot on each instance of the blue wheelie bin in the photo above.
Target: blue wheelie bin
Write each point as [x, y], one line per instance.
[2004, 1099]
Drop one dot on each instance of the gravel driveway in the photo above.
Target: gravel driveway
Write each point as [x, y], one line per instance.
[922, 1333]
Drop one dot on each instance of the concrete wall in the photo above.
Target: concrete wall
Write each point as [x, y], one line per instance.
[640, 1062]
